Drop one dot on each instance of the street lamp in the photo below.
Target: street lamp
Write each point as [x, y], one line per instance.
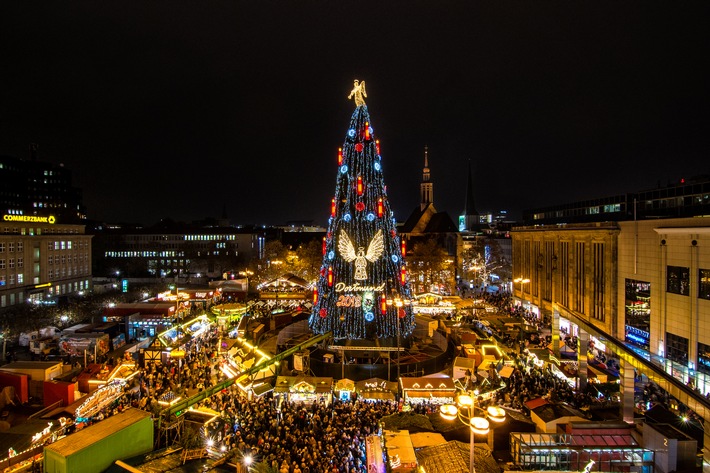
[246, 273]
[477, 425]
[398, 303]
[522, 281]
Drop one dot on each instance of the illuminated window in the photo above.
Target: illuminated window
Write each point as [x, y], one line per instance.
[704, 284]
[678, 280]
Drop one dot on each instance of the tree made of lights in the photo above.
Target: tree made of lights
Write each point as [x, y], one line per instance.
[363, 291]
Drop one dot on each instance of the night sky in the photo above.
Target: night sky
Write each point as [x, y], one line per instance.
[177, 109]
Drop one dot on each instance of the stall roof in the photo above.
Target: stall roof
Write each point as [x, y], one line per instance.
[286, 384]
[464, 362]
[453, 457]
[30, 365]
[79, 440]
[400, 444]
[427, 383]
[345, 384]
[506, 371]
[535, 403]
[376, 385]
[262, 389]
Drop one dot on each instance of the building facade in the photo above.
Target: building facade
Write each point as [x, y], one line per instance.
[33, 187]
[571, 267]
[176, 251]
[664, 294]
[42, 259]
[686, 198]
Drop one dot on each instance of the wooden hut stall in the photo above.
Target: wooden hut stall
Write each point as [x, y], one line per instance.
[436, 390]
[376, 389]
[306, 389]
[345, 389]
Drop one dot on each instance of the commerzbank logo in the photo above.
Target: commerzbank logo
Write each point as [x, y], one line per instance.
[51, 219]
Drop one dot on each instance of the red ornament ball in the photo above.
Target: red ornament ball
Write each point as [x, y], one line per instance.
[359, 206]
[402, 313]
[358, 147]
[323, 313]
[393, 233]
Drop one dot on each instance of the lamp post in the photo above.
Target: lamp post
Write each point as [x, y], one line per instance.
[398, 304]
[246, 273]
[522, 281]
[476, 425]
[397, 301]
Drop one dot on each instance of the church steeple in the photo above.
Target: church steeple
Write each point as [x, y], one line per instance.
[426, 187]
[470, 214]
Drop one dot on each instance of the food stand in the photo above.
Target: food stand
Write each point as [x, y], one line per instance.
[306, 389]
[376, 389]
[345, 389]
[436, 390]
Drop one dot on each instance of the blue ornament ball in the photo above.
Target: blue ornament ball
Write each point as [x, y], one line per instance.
[370, 217]
[369, 316]
[331, 255]
[378, 167]
[395, 258]
[343, 169]
[351, 133]
[347, 217]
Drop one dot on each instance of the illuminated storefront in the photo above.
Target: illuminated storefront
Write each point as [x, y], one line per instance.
[306, 389]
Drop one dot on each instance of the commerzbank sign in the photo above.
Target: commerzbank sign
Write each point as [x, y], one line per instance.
[29, 218]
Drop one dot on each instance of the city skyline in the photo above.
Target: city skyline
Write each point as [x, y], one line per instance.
[180, 111]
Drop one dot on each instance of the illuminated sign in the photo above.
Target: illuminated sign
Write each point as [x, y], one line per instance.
[342, 287]
[376, 385]
[348, 301]
[47, 284]
[29, 218]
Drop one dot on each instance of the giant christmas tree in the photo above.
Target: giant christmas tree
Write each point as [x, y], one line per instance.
[363, 291]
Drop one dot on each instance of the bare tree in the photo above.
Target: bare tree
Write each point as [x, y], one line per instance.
[430, 267]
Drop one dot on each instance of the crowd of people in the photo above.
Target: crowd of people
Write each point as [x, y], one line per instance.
[530, 382]
[320, 436]
[297, 437]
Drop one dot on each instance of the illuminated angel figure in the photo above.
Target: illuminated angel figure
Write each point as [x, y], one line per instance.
[374, 251]
[359, 92]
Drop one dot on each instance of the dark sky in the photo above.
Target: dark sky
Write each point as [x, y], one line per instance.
[176, 109]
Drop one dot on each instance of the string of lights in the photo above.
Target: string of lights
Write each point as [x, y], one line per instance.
[363, 268]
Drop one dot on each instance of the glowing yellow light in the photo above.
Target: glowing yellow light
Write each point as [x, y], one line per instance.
[480, 426]
[448, 411]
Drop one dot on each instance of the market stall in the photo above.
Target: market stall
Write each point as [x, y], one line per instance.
[436, 390]
[345, 389]
[102, 398]
[376, 388]
[306, 389]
